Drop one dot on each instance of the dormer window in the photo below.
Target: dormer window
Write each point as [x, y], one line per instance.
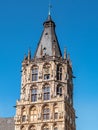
[47, 76]
[46, 33]
[34, 74]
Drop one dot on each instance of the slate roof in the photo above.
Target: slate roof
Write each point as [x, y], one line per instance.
[7, 124]
[48, 44]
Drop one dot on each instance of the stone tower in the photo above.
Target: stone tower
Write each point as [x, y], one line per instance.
[46, 100]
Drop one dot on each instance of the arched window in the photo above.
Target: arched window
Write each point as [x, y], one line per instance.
[33, 94]
[34, 74]
[59, 90]
[46, 113]
[59, 72]
[46, 93]
[23, 118]
[33, 114]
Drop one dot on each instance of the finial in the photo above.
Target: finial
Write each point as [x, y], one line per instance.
[50, 6]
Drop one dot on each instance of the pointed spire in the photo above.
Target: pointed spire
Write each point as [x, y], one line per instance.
[48, 44]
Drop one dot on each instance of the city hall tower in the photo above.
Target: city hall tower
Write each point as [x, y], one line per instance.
[46, 99]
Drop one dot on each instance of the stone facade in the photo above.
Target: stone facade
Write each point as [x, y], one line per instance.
[46, 100]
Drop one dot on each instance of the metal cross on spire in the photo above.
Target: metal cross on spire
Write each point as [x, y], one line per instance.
[50, 6]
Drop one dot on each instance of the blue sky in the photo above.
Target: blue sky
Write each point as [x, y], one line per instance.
[21, 25]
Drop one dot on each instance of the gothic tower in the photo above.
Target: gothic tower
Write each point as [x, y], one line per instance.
[46, 100]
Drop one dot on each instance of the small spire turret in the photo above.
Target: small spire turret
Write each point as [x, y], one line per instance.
[65, 53]
[29, 54]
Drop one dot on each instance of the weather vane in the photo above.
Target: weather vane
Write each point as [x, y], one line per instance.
[50, 6]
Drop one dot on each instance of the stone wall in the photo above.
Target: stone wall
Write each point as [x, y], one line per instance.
[6, 123]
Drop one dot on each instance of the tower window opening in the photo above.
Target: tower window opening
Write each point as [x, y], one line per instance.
[33, 114]
[56, 115]
[46, 113]
[59, 72]
[23, 118]
[46, 93]
[34, 95]
[34, 74]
